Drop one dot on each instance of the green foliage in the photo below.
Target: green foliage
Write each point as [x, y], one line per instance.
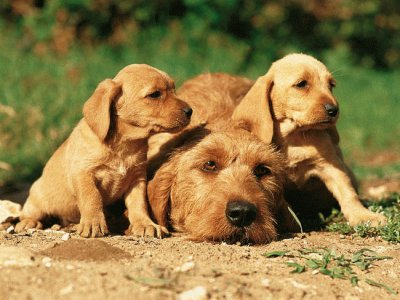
[367, 30]
[326, 262]
[390, 232]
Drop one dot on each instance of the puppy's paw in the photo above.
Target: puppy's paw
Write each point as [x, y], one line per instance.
[26, 224]
[92, 227]
[374, 219]
[148, 230]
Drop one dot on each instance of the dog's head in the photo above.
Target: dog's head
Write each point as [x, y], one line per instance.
[221, 187]
[295, 94]
[140, 96]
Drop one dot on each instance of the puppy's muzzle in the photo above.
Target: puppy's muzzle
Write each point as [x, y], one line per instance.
[241, 213]
[331, 110]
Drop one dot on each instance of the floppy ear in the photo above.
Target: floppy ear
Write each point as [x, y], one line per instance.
[96, 110]
[254, 109]
[158, 192]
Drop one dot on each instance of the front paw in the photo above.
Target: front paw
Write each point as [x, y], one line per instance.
[92, 227]
[147, 229]
[374, 219]
[26, 224]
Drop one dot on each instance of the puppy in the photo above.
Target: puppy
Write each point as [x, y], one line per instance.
[104, 158]
[216, 181]
[294, 107]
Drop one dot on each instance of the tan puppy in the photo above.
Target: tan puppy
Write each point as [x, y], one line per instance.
[293, 106]
[104, 158]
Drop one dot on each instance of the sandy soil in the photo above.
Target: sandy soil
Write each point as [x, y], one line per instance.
[53, 265]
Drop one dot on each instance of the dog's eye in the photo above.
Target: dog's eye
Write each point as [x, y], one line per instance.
[210, 166]
[261, 171]
[301, 84]
[332, 84]
[154, 95]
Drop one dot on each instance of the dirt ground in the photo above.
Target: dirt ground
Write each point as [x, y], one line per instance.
[47, 265]
[53, 264]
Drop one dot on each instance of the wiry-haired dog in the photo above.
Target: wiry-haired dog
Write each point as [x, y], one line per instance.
[221, 183]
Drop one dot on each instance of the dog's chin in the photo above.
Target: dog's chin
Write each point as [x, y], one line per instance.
[317, 125]
[243, 236]
[171, 128]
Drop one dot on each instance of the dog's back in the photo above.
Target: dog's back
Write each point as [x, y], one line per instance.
[213, 97]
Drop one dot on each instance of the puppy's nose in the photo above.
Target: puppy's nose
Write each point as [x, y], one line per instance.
[241, 213]
[188, 111]
[332, 110]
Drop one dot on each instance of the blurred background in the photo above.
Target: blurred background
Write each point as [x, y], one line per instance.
[53, 53]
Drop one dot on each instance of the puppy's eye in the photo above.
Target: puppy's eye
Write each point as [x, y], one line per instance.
[210, 166]
[332, 84]
[261, 171]
[154, 95]
[302, 84]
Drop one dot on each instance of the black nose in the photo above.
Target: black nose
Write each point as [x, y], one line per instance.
[241, 213]
[331, 110]
[188, 111]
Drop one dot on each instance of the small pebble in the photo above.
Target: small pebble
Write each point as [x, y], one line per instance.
[67, 290]
[46, 261]
[31, 230]
[265, 282]
[10, 229]
[187, 266]
[197, 293]
[65, 236]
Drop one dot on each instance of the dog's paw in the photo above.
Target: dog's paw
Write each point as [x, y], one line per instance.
[26, 224]
[148, 230]
[92, 227]
[374, 219]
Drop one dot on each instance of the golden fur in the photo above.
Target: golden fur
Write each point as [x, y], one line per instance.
[104, 158]
[187, 196]
[287, 106]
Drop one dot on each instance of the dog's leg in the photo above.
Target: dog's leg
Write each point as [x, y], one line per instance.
[33, 211]
[90, 203]
[30, 217]
[334, 175]
[140, 222]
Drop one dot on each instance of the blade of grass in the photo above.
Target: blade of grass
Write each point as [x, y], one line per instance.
[296, 219]
[381, 285]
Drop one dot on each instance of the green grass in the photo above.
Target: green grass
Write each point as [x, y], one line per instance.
[390, 232]
[41, 96]
[326, 262]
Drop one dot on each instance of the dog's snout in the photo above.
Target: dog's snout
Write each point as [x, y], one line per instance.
[188, 111]
[241, 213]
[331, 110]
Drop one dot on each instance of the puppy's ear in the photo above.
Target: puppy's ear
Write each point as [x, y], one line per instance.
[254, 109]
[158, 192]
[96, 110]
